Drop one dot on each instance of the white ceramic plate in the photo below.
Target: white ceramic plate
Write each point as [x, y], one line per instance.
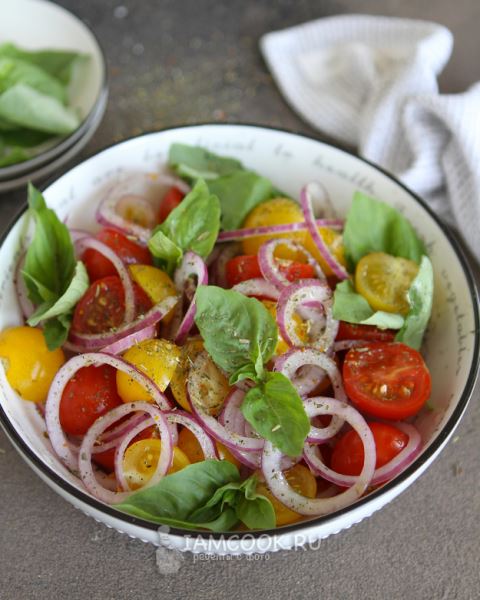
[40, 25]
[451, 347]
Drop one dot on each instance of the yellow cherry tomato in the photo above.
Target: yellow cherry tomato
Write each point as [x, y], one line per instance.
[278, 211]
[157, 358]
[282, 345]
[141, 458]
[384, 281]
[155, 283]
[302, 481]
[190, 446]
[334, 241]
[29, 365]
[189, 352]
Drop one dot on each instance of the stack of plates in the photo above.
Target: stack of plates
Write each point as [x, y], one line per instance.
[41, 25]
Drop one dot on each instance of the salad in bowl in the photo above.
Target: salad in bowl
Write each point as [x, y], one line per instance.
[218, 354]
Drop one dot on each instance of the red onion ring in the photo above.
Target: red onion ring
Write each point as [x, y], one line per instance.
[121, 429]
[243, 234]
[257, 287]
[133, 339]
[382, 474]
[84, 243]
[218, 431]
[268, 263]
[192, 265]
[52, 406]
[297, 294]
[85, 455]
[278, 483]
[307, 194]
[183, 418]
[81, 342]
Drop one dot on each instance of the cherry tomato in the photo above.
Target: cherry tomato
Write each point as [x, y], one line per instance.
[29, 365]
[131, 253]
[90, 393]
[368, 333]
[334, 241]
[157, 358]
[102, 307]
[191, 447]
[246, 267]
[189, 352]
[386, 380]
[156, 283]
[170, 201]
[348, 454]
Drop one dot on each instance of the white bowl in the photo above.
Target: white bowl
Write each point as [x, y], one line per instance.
[451, 347]
[40, 25]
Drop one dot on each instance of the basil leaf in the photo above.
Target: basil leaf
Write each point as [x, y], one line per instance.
[247, 371]
[67, 301]
[175, 497]
[237, 331]
[354, 308]
[275, 410]
[420, 298]
[55, 331]
[193, 162]
[14, 71]
[239, 193]
[192, 225]
[24, 106]
[373, 226]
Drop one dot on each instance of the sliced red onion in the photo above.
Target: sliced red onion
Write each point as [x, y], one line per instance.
[115, 433]
[81, 342]
[218, 431]
[183, 418]
[129, 204]
[347, 344]
[316, 192]
[382, 474]
[78, 234]
[278, 483]
[218, 267]
[192, 266]
[133, 189]
[84, 243]
[133, 339]
[294, 296]
[268, 262]
[101, 424]
[52, 407]
[249, 232]
[257, 287]
[24, 301]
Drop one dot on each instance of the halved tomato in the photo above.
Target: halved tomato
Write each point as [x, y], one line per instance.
[246, 266]
[386, 380]
[369, 333]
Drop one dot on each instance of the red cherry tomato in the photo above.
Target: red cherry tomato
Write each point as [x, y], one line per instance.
[348, 454]
[102, 307]
[368, 333]
[170, 201]
[386, 380]
[241, 268]
[131, 253]
[107, 459]
[90, 393]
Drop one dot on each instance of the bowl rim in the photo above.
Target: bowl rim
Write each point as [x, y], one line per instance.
[430, 452]
[23, 169]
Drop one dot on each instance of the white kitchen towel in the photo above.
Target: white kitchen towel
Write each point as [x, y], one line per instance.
[371, 82]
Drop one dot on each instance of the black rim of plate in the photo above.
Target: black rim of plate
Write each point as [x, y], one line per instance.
[40, 160]
[426, 455]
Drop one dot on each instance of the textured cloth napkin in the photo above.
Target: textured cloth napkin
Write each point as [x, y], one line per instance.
[371, 82]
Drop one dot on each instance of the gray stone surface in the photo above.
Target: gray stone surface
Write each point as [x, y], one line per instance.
[187, 61]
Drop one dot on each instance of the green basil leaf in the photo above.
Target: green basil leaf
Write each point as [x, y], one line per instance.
[178, 495]
[420, 298]
[373, 226]
[352, 307]
[15, 70]
[55, 332]
[66, 303]
[193, 162]
[24, 106]
[166, 253]
[275, 410]
[256, 513]
[236, 330]
[239, 193]
[247, 371]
